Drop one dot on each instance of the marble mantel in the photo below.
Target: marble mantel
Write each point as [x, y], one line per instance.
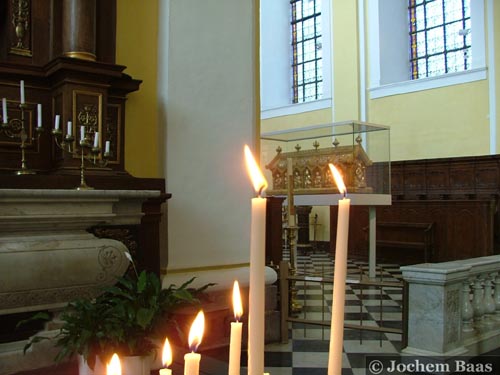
[47, 256]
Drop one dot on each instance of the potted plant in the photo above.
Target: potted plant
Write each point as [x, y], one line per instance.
[127, 318]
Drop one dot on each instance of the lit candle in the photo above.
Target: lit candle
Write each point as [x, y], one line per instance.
[114, 367]
[107, 146]
[4, 110]
[22, 92]
[70, 128]
[340, 271]
[166, 358]
[39, 115]
[56, 122]
[256, 311]
[96, 139]
[82, 133]
[235, 340]
[192, 360]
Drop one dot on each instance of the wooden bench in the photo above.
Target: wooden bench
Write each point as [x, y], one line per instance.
[407, 235]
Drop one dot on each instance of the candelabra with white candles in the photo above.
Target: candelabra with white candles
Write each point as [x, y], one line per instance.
[15, 128]
[87, 149]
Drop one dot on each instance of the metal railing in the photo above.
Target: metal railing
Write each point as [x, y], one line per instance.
[288, 282]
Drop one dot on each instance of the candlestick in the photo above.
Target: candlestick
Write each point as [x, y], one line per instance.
[236, 327]
[192, 360]
[4, 110]
[56, 122]
[16, 128]
[39, 115]
[22, 92]
[340, 272]
[166, 358]
[257, 270]
[86, 152]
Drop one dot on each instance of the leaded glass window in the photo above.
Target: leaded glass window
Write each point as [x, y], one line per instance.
[307, 56]
[440, 37]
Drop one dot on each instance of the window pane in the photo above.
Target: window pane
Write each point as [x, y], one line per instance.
[453, 10]
[308, 6]
[435, 41]
[455, 36]
[420, 18]
[306, 49]
[455, 61]
[435, 65]
[434, 13]
[421, 49]
[422, 68]
[309, 28]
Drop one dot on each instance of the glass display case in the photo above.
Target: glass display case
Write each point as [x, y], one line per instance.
[296, 162]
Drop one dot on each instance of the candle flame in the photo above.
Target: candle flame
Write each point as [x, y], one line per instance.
[196, 331]
[114, 367]
[338, 179]
[237, 306]
[167, 354]
[258, 180]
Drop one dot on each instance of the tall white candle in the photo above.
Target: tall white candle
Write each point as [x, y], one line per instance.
[107, 146]
[166, 358]
[340, 273]
[70, 128]
[256, 306]
[56, 122]
[4, 110]
[22, 92]
[192, 360]
[82, 133]
[235, 340]
[96, 139]
[39, 115]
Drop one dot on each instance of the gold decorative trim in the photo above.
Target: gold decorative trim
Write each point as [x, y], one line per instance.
[76, 118]
[207, 268]
[80, 55]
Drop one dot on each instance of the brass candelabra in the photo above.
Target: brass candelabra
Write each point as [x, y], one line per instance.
[86, 152]
[15, 128]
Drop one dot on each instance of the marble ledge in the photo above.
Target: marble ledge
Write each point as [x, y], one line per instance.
[449, 272]
[73, 193]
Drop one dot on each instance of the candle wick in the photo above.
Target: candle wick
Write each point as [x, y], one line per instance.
[259, 193]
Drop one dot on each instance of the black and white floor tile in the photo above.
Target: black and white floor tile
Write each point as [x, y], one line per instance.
[307, 349]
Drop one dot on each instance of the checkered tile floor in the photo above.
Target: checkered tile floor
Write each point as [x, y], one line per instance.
[307, 349]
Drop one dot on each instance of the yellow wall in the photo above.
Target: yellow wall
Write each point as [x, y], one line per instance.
[345, 61]
[496, 17]
[445, 122]
[136, 48]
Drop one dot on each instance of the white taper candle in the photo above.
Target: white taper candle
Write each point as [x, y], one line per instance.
[39, 115]
[22, 92]
[56, 122]
[339, 279]
[4, 110]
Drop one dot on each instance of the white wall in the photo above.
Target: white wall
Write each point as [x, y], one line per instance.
[209, 101]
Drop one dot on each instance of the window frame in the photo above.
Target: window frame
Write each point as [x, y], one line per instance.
[388, 48]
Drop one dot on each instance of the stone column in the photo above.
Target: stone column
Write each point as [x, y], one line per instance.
[79, 29]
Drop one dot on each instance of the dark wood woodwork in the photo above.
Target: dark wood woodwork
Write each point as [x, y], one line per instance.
[459, 195]
[79, 28]
[90, 93]
[274, 230]
[303, 213]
